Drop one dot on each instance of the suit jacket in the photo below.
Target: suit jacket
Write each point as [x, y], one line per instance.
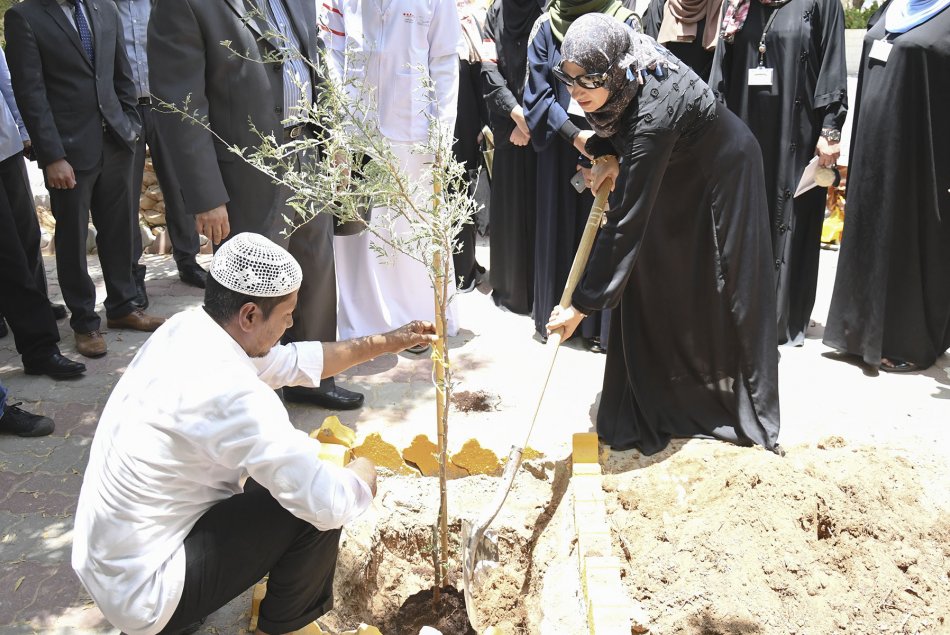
[188, 64]
[12, 131]
[65, 101]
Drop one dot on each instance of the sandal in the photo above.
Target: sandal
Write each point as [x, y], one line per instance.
[897, 366]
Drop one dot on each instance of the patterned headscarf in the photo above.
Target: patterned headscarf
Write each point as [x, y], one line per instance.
[736, 13]
[600, 44]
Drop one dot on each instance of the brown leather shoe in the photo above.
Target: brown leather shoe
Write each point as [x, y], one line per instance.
[137, 320]
[90, 344]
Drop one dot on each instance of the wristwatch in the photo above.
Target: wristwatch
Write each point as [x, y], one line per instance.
[831, 135]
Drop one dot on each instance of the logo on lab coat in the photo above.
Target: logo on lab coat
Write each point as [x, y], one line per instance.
[408, 17]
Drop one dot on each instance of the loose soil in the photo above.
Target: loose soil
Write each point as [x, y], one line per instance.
[714, 539]
[477, 401]
[446, 616]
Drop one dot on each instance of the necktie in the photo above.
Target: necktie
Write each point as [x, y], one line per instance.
[85, 34]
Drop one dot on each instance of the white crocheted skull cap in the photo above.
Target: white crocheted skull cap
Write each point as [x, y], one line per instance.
[255, 266]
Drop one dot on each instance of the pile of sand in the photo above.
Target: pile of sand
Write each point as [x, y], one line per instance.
[721, 539]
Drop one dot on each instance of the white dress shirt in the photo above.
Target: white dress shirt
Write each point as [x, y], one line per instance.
[190, 419]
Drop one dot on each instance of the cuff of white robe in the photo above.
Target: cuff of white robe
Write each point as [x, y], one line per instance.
[310, 360]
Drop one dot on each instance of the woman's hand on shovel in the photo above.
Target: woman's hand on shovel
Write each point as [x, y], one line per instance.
[566, 319]
[603, 168]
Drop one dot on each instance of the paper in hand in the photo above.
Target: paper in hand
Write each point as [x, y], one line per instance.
[808, 177]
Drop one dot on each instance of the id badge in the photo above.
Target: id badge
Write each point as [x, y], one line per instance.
[880, 50]
[760, 76]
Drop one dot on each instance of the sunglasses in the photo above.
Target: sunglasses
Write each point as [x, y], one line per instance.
[589, 81]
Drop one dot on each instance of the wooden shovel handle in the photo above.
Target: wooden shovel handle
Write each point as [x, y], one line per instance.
[594, 222]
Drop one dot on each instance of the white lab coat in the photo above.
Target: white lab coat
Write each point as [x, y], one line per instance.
[385, 45]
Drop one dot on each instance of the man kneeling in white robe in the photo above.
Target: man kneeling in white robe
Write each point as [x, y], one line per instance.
[167, 530]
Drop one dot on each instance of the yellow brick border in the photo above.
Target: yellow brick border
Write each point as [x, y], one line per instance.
[607, 604]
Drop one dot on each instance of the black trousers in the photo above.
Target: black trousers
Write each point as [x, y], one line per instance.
[102, 190]
[180, 226]
[241, 539]
[23, 296]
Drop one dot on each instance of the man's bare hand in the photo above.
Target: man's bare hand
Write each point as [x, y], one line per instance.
[365, 470]
[60, 175]
[412, 334]
[214, 224]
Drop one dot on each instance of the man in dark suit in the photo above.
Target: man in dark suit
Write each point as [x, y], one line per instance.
[232, 87]
[179, 225]
[73, 84]
[23, 298]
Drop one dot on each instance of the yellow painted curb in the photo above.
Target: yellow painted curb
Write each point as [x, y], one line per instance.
[608, 607]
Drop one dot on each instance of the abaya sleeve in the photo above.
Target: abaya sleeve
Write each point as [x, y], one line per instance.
[545, 117]
[498, 97]
[618, 243]
[831, 89]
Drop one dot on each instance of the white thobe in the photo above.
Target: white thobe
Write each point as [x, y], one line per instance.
[191, 418]
[383, 44]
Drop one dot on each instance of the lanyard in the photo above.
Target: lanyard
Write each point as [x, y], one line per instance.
[765, 31]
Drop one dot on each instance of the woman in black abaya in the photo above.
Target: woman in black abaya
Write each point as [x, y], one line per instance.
[891, 303]
[515, 165]
[558, 131]
[795, 107]
[692, 342]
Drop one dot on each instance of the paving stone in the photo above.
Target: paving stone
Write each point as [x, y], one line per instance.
[9, 482]
[29, 590]
[46, 494]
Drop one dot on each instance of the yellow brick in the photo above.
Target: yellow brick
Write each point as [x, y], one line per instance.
[365, 629]
[585, 447]
[332, 431]
[590, 517]
[588, 488]
[594, 544]
[604, 580]
[335, 454]
[424, 454]
[587, 469]
[528, 454]
[609, 620]
[475, 459]
[382, 454]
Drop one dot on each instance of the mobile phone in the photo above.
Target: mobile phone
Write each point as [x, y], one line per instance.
[578, 182]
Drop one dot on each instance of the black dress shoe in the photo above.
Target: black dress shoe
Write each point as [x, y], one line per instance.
[59, 311]
[192, 274]
[24, 424]
[3, 327]
[141, 297]
[336, 399]
[56, 366]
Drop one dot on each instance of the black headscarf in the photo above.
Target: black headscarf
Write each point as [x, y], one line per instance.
[601, 44]
[518, 16]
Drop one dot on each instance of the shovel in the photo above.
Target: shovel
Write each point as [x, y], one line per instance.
[480, 552]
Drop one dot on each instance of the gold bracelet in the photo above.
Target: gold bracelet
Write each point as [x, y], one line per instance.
[602, 159]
